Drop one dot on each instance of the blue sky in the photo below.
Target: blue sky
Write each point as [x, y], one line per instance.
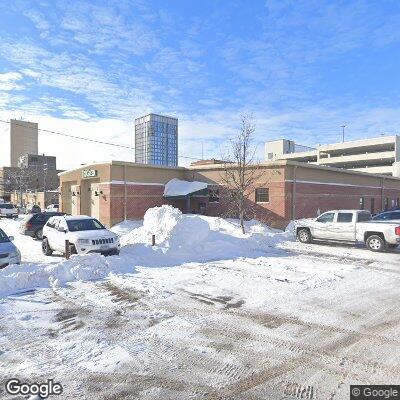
[301, 68]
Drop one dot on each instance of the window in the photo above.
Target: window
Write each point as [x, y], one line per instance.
[270, 156]
[327, 217]
[372, 205]
[396, 215]
[213, 195]
[363, 217]
[362, 203]
[398, 202]
[386, 203]
[344, 217]
[40, 218]
[3, 237]
[84, 225]
[262, 195]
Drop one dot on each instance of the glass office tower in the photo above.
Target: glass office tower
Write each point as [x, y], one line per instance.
[156, 140]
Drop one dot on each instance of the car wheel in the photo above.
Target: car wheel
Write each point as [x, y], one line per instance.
[304, 236]
[39, 234]
[375, 243]
[47, 251]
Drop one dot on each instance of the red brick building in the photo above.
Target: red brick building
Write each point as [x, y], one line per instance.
[286, 190]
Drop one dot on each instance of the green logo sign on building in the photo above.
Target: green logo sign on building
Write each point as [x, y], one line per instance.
[89, 173]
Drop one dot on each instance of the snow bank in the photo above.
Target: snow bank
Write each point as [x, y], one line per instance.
[16, 278]
[125, 227]
[177, 187]
[180, 239]
[184, 238]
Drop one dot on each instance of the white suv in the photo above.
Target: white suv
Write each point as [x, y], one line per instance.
[85, 235]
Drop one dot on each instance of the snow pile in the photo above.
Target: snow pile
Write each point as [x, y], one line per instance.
[180, 239]
[195, 238]
[16, 278]
[177, 187]
[125, 227]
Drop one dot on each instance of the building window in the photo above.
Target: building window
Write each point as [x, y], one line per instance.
[386, 203]
[213, 195]
[262, 195]
[362, 203]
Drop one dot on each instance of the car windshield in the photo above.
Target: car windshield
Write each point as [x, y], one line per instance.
[76, 225]
[3, 237]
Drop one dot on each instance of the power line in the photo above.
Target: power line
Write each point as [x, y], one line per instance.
[87, 139]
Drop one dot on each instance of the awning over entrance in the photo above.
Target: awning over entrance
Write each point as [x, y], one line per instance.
[178, 189]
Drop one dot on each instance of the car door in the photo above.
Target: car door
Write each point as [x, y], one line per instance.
[51, 232]
[61, 235]
[344, 228]
[323, 225]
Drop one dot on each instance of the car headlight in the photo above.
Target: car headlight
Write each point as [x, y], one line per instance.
[83, 241]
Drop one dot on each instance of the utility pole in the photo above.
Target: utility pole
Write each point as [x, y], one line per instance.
[343, 126]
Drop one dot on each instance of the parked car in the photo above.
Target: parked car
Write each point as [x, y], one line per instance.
[350, 226]
[52, 208]
[8, 210]
[85, 235]
[33, 208]
[9, 253]
[387, 216]
[32, 225]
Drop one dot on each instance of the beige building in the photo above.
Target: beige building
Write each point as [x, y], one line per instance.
[38, 198]
[23, 140]
[376, 156]
[116, 190]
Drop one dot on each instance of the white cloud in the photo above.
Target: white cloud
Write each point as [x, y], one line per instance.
[8, 81]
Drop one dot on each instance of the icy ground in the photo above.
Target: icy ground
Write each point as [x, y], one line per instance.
[249, 317]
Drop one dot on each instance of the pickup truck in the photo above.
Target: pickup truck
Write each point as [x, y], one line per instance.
[8, 210]
[349, 226]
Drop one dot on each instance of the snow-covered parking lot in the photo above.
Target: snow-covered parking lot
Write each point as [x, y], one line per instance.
[206, 314]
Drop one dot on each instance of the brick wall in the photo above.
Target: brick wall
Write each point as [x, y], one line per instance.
[313, 197]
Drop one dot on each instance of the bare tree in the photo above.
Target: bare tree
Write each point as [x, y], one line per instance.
[240, 171]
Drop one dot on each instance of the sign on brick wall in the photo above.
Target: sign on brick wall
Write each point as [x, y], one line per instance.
[89, 173]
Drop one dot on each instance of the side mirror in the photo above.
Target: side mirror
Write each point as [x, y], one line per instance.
[11, 238]
[62, 230]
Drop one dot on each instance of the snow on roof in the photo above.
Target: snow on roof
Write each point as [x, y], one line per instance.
[176, 187]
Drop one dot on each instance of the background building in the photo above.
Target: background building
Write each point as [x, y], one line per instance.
[23, 140]
[40, 161]
[42, 199]
[35, 173]
[377, 155]
[156, 140]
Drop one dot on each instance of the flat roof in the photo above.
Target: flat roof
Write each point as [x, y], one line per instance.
[282, 163]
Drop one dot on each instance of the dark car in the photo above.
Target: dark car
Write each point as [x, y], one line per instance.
[33, 209]
[387, 216]
[32, 225]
